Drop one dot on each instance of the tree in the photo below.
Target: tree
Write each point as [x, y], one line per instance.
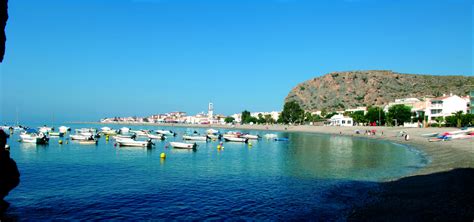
[269, 119]
[292, 113]
[261, 119]
[324, 112]
[308, 117]
[245, 117]
[374, 114]
[328, 116]
[400, 113]
[440, 120]
[458, 116]
[229, 119]
[358, 117]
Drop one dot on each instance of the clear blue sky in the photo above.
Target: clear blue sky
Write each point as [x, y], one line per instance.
[87, 59]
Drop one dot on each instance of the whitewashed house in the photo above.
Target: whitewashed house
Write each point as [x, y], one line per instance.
[340, 120]
[445, 106]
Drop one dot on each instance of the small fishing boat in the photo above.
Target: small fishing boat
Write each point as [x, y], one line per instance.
[212, 131]
[32, 136]
[64, 129]
[124, 130]
[214, 136]
[236, 139]
[251, 137]
[45, 129]
[79, 137]
[179, 145]
[108, 131]
[55, 134]
[156, 137]
[128, 136]
[134, 143]
[232, 134]
[88, 142]
[195, 138]
[140, 133]
[166, 132]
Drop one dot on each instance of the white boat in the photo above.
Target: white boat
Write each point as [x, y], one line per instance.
[33, 137]
[251, 137]
[270, 136]
[156, 136]
[45, 129]
[88, 142]
[134, 143]
[56, 134]
[108, 131]
[124, 130]
[142, 133]
[232, 134]
[129, 136]
[80, 137]
[64, 129]
[195, 138]
[214, 137]
[236, 139]
[212, 131]
[179, 145]
[166, 132]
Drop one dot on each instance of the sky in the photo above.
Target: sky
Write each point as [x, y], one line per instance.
[82, 60]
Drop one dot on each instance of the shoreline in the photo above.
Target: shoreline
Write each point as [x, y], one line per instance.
[442, 156]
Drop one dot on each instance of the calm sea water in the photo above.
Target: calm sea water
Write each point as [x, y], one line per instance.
[312, 176]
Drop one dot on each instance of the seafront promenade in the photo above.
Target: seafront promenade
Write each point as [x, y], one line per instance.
[443, 155]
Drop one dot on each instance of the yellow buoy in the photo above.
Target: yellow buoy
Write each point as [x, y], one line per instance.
[60, 142]
[250, 144]
[163, 155]
[218, 146]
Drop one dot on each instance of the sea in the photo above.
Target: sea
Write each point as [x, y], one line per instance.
[309, 177]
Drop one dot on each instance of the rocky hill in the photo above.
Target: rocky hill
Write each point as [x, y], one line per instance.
[342, 90]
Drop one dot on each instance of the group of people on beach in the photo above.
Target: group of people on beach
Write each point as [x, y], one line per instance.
[9, 174]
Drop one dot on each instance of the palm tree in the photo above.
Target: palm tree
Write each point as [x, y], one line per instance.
[439, 120]
[458, 115]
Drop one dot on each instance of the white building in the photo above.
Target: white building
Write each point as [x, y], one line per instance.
[445, 106]
[340, 120]
[360, 108]
[410, 102]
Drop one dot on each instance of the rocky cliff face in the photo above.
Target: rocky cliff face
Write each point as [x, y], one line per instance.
[3, 23]
[342, 90]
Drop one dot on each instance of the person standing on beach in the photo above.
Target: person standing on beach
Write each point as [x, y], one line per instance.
[9, 174]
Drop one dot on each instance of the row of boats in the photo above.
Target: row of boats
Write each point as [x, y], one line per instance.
[127, 137]
[466, 133]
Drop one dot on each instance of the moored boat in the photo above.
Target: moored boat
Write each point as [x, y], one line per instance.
[56, 134]
[236, 139]
[156, 136]
[88, 142]
[251, 137]
[166, 132]
[179, 145]
[134, 143]
[32, 136]
[195, 138]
